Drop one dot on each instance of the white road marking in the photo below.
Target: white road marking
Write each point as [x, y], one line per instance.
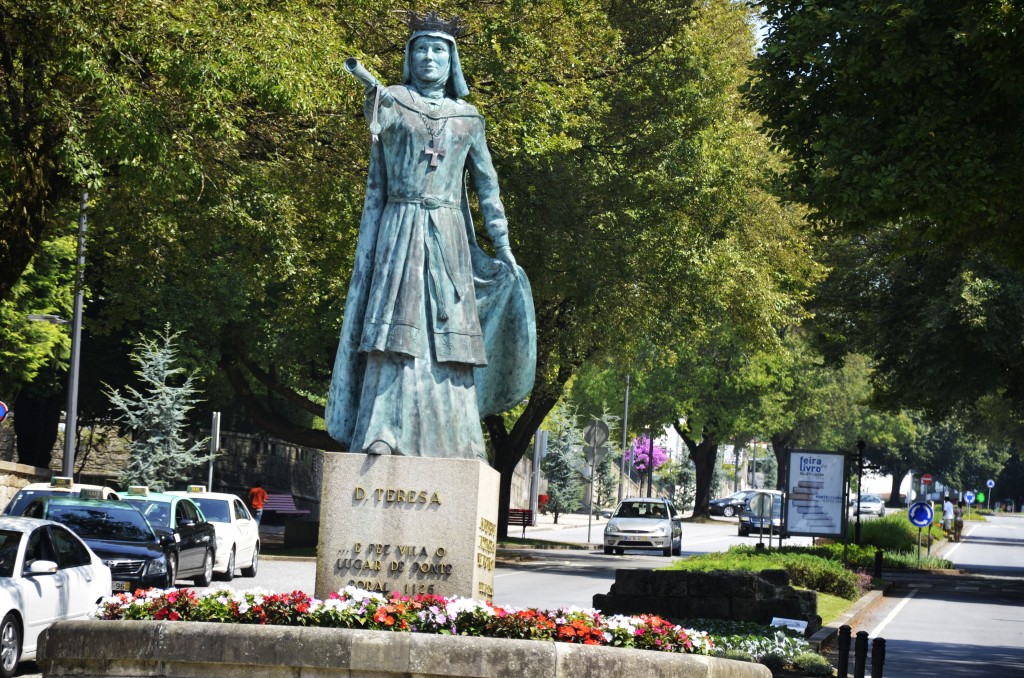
[892, 615]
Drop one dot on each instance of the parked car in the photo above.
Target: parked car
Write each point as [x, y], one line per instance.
[119, 534]
[61, 486]
[195, 538]
[869, 503]
[47, 574]
[238, 535]
[731, 505]
[642, 523]
[752, 523]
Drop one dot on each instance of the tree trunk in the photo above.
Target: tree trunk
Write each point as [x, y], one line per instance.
[35, 426]
[782, 443]
[510, 446]
[704, 455]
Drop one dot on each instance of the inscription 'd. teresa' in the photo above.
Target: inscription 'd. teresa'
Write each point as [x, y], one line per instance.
[389, 495]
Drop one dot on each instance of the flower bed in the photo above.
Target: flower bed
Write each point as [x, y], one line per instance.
[357, 609]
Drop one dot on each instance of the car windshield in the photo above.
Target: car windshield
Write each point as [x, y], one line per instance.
[9, 541]
[21, 500]
[640, 509]
[158, 513]
[215, 510]
[871, 498]
[103, 522]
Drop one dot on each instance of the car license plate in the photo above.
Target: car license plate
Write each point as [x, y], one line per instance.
[122, 586]
[636, 538]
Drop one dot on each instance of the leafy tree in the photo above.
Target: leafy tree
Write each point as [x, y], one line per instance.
[563, 462]
[897, 117]
[230, 166]
[159, 452]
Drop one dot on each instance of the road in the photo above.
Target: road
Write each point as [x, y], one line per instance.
[959, 626]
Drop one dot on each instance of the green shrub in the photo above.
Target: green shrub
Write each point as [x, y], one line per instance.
[738, 655]
[893, 532]
[805, 570]
[774, 662]
[812, 664]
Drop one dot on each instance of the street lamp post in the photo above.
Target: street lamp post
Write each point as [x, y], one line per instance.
[71, 414]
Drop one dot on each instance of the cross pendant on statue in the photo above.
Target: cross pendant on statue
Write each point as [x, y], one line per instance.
[434, 150]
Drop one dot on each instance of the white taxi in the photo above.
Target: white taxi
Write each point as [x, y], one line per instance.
[238, 534]
[47, 574]
[58, 485]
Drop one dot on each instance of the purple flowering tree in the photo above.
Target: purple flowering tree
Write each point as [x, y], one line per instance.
[640, 453]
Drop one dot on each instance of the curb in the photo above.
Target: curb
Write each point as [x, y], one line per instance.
[827, 634]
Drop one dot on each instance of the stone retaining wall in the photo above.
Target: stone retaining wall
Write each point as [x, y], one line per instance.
[14, 476]
[720, 594]
[131, 649]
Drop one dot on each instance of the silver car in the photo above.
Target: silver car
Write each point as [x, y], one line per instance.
[871, 504]
[644, 524]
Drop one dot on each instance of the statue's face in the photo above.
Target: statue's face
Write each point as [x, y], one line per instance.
[430, 59]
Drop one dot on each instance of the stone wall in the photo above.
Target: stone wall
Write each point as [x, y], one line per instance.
[13, 477]
[720, 594]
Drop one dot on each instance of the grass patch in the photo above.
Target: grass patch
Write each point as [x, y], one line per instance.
[830, 607]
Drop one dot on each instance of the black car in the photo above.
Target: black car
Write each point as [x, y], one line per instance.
[119, 534]
[731, 505]
[195, 539]
[751, 522]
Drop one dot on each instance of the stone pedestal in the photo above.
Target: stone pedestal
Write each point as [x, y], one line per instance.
[407, 524]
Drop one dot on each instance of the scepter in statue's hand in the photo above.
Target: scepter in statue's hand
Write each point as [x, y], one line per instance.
[381, 95]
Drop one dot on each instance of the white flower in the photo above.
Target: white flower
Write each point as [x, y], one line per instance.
[243, 607]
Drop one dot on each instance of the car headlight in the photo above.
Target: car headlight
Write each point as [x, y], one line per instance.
[612, 526]
[664, 530]
[220, 542]
[157, 566]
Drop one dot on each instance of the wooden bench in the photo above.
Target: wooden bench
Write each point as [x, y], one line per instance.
[524, 517]
[283, 504]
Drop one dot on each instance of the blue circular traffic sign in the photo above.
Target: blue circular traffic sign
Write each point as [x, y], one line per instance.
[969, 497]
[921, 513]
[990, 483]
[3, 411]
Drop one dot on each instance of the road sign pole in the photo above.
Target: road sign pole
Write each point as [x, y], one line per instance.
[919, 547]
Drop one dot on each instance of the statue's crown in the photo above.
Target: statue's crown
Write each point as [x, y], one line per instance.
[432, 21]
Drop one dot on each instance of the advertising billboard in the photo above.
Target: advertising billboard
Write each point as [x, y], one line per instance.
[815, 494]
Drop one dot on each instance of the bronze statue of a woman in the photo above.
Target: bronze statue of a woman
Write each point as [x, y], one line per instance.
[436, 334]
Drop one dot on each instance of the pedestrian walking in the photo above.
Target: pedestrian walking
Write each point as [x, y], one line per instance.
[947, 517]
[958, 521]
[257, 498]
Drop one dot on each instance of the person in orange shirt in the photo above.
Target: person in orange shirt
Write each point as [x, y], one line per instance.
[257, 497]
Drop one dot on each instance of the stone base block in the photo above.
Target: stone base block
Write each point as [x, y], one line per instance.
[140, 649]
[407, 524]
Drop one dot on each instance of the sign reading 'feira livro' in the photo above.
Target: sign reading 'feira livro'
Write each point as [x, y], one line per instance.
[814, 499]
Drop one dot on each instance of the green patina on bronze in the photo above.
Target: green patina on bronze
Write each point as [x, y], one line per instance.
[436, 333]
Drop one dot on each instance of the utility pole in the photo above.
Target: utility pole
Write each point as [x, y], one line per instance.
[625, 429]
[860, 475]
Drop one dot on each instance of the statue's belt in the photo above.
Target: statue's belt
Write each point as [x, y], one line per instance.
[435, 278]
[430, 203]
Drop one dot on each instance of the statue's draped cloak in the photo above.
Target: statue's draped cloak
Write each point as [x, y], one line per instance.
[436, 333]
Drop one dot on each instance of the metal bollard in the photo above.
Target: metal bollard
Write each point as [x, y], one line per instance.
[860, 654]
[843, 645]
[878, 564]
[877, 657]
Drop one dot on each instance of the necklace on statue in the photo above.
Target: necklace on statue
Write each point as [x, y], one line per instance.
[434, 149]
